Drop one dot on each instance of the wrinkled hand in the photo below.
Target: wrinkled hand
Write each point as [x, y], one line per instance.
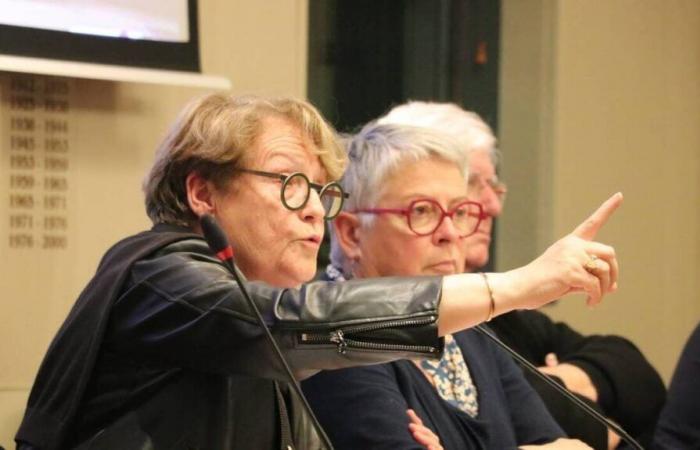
[574, 378]
[422, 434]
[575, 263]
[559, 444]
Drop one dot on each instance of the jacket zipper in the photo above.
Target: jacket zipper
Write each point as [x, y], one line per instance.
[340, 337]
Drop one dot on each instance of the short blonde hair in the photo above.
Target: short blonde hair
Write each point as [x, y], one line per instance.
[212, 135]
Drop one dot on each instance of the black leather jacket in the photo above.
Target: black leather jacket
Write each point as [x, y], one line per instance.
[183, 364]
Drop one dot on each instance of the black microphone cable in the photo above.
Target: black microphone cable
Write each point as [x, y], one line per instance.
[218, 242]
[562, 390]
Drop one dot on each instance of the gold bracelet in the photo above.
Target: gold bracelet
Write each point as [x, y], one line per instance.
[492, 304]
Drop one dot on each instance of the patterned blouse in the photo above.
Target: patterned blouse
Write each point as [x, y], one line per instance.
[450, 375]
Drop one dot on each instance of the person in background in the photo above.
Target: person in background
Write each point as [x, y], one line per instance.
[409, 215]
[679, 423]
[161, 351]
[608, 372]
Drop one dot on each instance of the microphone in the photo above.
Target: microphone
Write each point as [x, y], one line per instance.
[216, 238]
[218, 242]
[562, 390]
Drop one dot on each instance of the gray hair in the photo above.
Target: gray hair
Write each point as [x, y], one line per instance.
[472, 133]
[377, 152]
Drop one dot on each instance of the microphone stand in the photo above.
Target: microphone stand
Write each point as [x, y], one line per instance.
[562, 390]
[218, 242]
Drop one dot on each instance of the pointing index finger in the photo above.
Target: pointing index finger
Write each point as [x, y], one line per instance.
[589, 227]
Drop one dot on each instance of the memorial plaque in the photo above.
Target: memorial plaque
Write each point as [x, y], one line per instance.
[36, 146]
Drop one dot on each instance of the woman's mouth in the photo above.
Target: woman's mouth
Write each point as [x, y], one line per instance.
[443, 268]
[314, 241]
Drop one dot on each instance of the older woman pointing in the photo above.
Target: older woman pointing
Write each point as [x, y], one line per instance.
[160, 350]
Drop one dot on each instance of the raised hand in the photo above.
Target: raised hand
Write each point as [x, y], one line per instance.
[575, 263]
[603, 263]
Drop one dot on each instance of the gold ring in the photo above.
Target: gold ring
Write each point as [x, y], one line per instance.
[591, 266]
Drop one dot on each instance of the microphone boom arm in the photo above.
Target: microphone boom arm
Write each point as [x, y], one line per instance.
[562, 390]
[218, 242]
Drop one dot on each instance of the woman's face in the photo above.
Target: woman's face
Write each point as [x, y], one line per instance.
[272, 243]
[389, 248]
[481, 167]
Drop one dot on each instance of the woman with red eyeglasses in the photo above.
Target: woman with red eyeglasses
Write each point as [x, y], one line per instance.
[408, 214]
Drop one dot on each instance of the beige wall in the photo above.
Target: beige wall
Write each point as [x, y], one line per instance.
[113, 130]
[598, 97]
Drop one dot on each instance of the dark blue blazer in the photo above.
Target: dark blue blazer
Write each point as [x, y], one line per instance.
[365, 407]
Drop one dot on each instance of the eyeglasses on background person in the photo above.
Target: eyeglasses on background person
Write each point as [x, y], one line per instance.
[296, 188]
[477, 184]
[424, 216]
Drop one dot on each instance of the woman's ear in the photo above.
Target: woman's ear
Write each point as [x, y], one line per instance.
[347, 232]
[199, 194]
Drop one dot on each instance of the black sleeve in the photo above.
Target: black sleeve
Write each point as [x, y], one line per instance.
[182, 308]
[679, 423]
[574, 421]
[630, 390]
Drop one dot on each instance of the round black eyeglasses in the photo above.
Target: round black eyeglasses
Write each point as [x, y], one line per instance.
[296, 189]
[425, 215]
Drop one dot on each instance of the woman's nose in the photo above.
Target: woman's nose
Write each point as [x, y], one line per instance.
[446, 231]
[491, 202]
[313, 210]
